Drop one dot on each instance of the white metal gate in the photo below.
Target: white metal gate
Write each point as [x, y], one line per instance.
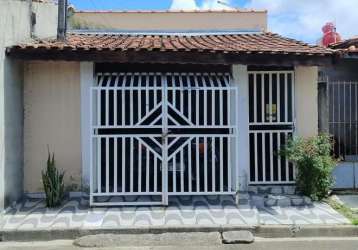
[161, 134]
[271, 121]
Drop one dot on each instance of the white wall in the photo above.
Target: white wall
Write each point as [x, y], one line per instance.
[14, 28]
[306, 94]
[52, 117]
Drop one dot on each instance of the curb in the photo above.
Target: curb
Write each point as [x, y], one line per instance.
[265, 231]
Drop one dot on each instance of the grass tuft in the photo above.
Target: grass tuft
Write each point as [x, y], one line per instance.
[349, 213]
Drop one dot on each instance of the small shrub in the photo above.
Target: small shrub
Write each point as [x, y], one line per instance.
[53, 183]
[314, 163]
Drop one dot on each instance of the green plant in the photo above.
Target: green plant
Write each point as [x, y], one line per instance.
[312, 157]
[343, 209]
[53, 183]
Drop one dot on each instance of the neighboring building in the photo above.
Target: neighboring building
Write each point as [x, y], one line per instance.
[153, 107]
[342, 117]
[171, 21]
[20, 21]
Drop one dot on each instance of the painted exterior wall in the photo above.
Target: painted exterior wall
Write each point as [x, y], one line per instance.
[46, 19]
[306, 93]
[344, 70]
[52, 117]
[15, 27]
[154, 21]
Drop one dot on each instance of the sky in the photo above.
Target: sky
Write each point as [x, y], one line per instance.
[299, 19]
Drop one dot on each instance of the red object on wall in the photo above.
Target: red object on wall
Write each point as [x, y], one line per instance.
[330, 34]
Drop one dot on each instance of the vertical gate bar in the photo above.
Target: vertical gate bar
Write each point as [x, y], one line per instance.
[174, 169]
[155, 173]
[131, 108]
[264, 156]
[286, 160]
[189, 97]
[356, 129]
[212, 101]
[155, 89]
[213, 162]
[221, 165]
[147, 170]
[339, 118]
[123, 100]
[271, 156]
[221, 109]
[196, 100]
[115, 103]
[139, 167]
[139, 94]
[286, 98]
[99, 167]
[205, 165]
[197, 165]
[228, 105]
[107, 165]
[256, 158]
[131, 165]
[123, 164]
[174, 92]
[182, 170]
[263, 108]
[255, 96]
[205, 105]
[99, 122]
[147, 94]
[270, 97]
[107, 107]
[115, 171]
[165, 171]
[181, 94]
[344, 120]
[229, 165]
[278, 99]
[293, 115]
[278, 155]
[189, 163]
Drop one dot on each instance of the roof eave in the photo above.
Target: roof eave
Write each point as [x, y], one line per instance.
[197, 57]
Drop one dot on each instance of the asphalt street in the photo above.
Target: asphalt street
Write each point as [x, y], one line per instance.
[260, 244]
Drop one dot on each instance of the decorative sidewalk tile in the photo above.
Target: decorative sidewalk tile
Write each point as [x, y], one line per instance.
[32, 214]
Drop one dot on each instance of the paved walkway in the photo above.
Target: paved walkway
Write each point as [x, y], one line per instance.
[32, 214]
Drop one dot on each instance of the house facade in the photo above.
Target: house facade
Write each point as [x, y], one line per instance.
[136, 114]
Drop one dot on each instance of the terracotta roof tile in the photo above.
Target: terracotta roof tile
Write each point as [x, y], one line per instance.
[348, 46]
[261, 43]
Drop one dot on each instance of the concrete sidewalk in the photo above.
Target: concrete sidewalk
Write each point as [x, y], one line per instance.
[197, 213]
[194, 211]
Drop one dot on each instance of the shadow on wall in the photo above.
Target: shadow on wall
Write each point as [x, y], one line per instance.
[13, 130]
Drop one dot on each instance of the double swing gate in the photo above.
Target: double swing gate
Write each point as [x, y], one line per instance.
[161, 134]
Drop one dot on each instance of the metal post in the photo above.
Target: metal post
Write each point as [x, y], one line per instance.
[323, 106]
[61, 25]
